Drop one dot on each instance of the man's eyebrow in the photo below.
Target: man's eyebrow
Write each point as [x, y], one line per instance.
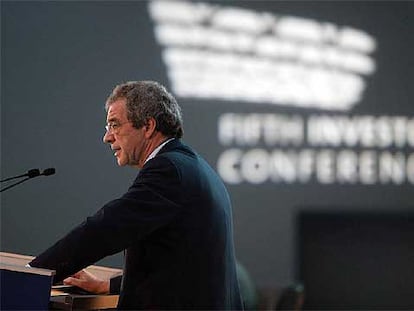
[112, 120]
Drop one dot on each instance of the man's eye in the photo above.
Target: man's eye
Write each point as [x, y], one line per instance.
[114, 125]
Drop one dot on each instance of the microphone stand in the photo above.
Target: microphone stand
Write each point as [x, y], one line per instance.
[14, 177]
[15, 184]
[30, 174]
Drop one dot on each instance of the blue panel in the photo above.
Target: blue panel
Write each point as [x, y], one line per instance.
[24, 291]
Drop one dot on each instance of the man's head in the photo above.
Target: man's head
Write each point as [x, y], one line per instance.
[140, 116]
[149, 99]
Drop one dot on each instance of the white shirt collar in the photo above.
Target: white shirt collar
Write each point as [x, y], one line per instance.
[156, 150]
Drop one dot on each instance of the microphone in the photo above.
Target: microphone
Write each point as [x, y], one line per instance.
[30, 174]
[49, 171]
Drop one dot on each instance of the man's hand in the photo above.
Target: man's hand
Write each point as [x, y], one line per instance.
[88, 282]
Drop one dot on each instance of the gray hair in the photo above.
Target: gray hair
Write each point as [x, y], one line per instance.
[149, 99]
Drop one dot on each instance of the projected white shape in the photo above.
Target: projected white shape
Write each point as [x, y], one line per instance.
[235, 54]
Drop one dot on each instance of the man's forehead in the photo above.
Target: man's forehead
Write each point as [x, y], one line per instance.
[116, 110]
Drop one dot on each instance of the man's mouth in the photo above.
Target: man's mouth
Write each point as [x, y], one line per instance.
[116, 151]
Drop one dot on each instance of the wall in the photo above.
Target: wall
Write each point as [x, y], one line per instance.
[344, 144]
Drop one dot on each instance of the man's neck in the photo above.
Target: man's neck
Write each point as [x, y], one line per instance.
[156, 150]
[153, 144]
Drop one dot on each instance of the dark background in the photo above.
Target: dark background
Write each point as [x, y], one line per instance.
[60, 60]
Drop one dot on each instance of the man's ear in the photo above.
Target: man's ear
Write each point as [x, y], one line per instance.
[150, 128]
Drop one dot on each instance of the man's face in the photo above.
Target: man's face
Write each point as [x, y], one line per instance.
[128, 142]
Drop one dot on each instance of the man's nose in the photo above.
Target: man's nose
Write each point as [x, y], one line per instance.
[108, 138]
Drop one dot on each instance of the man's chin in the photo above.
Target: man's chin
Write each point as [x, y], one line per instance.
[121, 163]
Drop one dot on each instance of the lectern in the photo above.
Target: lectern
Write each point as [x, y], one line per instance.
[24, 288]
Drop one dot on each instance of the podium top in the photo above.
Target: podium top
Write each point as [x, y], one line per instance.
[23, 269]
[17, 263]
[15, 259]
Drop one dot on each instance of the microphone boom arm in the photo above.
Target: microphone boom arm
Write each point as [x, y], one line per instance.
[31, 174]
[15, 184]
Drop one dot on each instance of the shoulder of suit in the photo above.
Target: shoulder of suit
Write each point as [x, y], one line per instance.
[177, 146]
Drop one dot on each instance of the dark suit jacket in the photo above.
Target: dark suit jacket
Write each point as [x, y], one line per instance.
[175, 224]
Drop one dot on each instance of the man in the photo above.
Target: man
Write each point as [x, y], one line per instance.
[174, 222]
